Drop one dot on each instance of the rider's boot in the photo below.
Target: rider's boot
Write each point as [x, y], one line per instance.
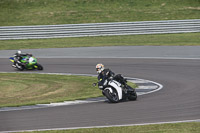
[14, 66]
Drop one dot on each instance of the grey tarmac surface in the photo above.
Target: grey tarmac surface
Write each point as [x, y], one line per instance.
[178, 100]
[113, 52]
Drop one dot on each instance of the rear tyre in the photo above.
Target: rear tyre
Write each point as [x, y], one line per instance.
[112, 97]
[133, 95]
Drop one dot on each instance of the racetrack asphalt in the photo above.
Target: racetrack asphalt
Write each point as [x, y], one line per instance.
[177, 101]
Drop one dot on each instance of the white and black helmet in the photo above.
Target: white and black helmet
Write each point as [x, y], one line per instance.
[99, 68]
[19, 52]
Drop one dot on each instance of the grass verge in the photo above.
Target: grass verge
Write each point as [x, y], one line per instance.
[19, 89]
[45, 12]
[186, 39]
[27, 89]
[193, 127]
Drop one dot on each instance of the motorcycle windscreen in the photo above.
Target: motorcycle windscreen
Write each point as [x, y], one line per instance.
[32, 60]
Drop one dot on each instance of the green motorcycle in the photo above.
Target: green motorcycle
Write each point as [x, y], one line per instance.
[27, 63]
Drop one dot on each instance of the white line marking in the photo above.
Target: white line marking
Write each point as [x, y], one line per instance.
[147, 87]
[159, 86]
[140, 81]
[123, 125]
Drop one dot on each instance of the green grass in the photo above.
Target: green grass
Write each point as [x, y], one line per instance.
[193, 127]
[192, 39]
[45, 12]
[19, 89]
[27, 89]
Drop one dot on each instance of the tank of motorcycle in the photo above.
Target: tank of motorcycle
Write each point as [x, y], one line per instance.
[24, 59]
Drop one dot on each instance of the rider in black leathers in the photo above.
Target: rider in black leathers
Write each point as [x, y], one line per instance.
[108, 74]
[18, 56]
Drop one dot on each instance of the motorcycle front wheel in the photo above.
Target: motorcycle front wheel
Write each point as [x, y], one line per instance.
[112, 97]
[39, 67]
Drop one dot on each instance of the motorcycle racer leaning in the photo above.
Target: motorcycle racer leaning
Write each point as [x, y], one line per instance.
[18, 56]
[104, 74]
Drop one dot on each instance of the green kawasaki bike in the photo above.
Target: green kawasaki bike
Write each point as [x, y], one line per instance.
[27, 63]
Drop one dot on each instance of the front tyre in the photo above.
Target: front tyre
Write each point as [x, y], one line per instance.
[39, 67]
[112, 96]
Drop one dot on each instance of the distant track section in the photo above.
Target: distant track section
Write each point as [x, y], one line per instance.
[99, 29]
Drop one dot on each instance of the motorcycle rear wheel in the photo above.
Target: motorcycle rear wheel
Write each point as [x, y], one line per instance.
[133, 95]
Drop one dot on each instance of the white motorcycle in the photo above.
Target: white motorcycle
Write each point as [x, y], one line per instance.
[115, 91]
